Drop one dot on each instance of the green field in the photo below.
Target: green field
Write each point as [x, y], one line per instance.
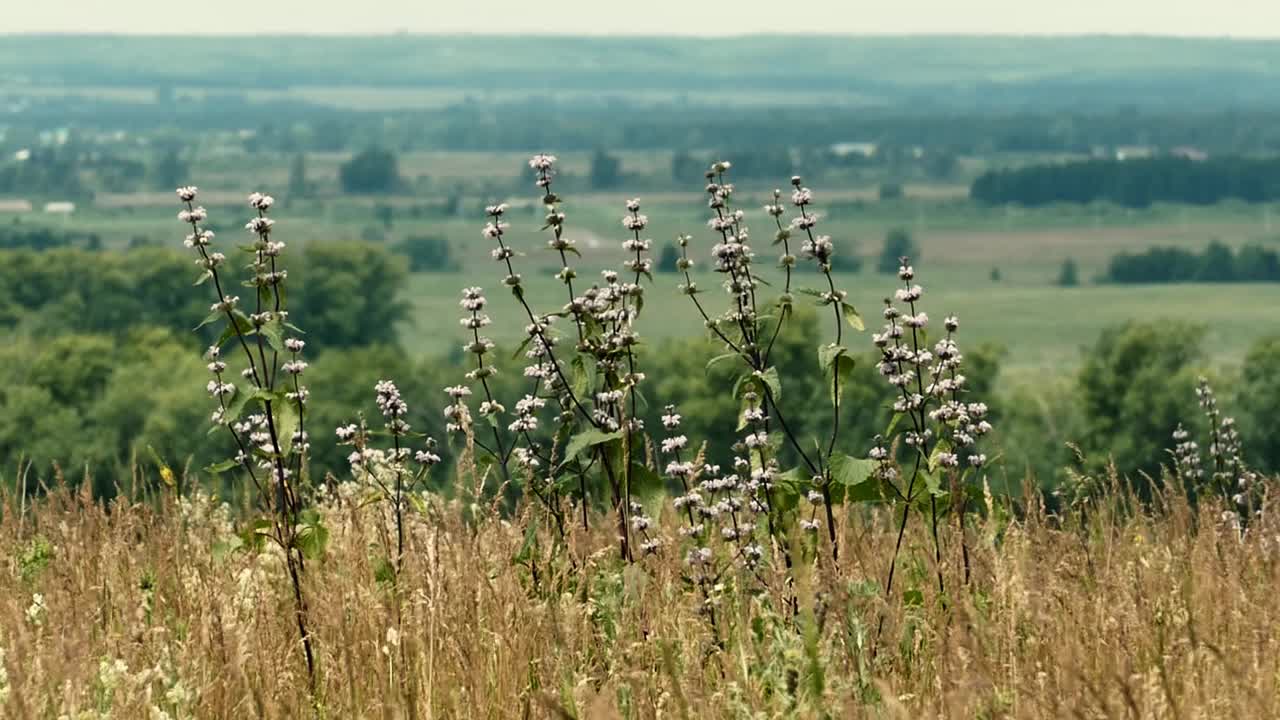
[1042, 326]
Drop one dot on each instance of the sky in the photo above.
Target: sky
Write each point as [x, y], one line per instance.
[1238, 18]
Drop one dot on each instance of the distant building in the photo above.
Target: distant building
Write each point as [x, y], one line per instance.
[1190, 153]
[1134, 152]
[60, 207]
[15, 206]
[863, 149]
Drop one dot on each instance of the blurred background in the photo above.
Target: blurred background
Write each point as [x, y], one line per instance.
[1056, 172]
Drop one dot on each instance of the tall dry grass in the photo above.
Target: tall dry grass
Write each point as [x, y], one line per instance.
[146, 611]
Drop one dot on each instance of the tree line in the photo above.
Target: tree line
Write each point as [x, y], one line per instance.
[1217, 263]
[1135, 183]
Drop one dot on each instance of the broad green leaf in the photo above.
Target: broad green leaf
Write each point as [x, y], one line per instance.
[773, 382]
[827, 354]
[286, 421]
[312, 537]
[274, 333]
[587, 439]
[239, 324]
[853, 480]
[848, 470]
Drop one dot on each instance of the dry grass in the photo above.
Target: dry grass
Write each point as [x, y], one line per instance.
[1121, 615]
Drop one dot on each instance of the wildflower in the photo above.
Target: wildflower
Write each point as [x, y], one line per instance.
[199, 239]
[37, 611]
[542, 162]
[259, 225]
[388, 399]
[673, 444]
[472, 299]
[294, 345]
[635, 223]
[187, 193]
[294, 367]
[698, 556]
[496, 210]
[494, 229]
[261, 202]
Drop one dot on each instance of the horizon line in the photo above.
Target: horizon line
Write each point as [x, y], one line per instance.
[916, 34]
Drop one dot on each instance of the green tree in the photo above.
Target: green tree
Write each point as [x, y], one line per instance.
[1218, 264]
[669, 259]
[427, 253]
[169, 171]
[298, 186]
[606, 170]
[1258, 399]
[374, 170]
[898, 244]
[890, 191]
[350, 295]
[1068, 275]
[1137, 384]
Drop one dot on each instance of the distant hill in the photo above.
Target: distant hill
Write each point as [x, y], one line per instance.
[963, 72]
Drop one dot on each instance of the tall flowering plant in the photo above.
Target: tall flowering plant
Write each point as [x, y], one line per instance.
[263, 411]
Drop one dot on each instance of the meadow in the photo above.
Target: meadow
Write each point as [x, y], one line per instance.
[138, 609]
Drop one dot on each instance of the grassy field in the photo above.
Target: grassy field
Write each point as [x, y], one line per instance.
[144, 608]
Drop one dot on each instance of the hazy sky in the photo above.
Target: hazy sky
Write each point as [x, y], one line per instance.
[1244, 18]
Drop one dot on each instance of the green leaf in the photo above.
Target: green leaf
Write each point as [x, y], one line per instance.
[255, 536]
[851, 315]
[719, 359]
[848, 470]
[771, 381]
[204, 277]
[286, 420]
[581, 380]
[853, 480]
[224, 466]
[587, 439]
[893, 425]
[210, 318]
[789, 487]
[827, 354]
[647, 484]
[239, 325]
[843, 370]
[522, 347]
[312, 536]
[274, 333]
